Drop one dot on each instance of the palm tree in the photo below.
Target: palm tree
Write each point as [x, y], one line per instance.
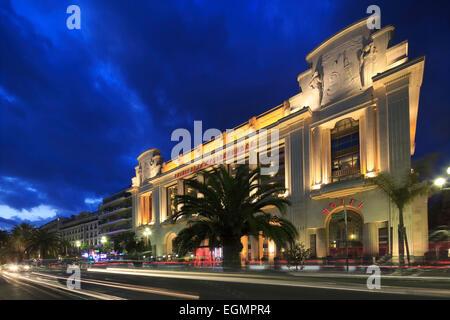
[401, 194]
[128, 242]
[20, 237]
[231, 206]
[4, 241]
[4, 237]
[45, 243]
[65, 247]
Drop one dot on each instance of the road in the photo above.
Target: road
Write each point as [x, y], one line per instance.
[128, 283]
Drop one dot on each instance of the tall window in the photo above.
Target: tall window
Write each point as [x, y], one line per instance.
[171, 192]
[189, 191]
[276, 176]
[146, 209]
[345, 150]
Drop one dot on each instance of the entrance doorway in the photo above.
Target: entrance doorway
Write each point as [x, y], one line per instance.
[336, 234]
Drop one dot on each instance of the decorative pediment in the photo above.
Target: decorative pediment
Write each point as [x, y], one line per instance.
[345, 64]
[150, 163]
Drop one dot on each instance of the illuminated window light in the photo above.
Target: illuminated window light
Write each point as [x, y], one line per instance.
[316, 186]
[372, 174]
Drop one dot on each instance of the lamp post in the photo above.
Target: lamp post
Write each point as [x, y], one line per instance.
[103, 240]
[147, 233]
[439, 182]
[346, 236]
[78, 245]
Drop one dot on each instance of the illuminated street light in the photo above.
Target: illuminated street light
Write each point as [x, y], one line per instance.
[448, 170]
[78, 244]
[103, 240]
[147, 232]
[439, 182]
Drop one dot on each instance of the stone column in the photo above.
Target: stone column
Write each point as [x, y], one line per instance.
[362, 143]
[316, 159]
[371, 147]
[325, 156]
[134, 208]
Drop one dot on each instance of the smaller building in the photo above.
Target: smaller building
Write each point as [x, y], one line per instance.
[87, 229]
[83, 228]
[115, 215]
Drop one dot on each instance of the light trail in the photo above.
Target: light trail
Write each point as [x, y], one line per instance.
[60, 287]
[151, 290]
[276, 282]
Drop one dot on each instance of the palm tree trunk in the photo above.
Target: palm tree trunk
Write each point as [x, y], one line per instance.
[405, 237]
[401, 228]
[231, 254]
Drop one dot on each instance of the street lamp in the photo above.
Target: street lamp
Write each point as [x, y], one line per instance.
[147, 233]
[440, 181]
[103, 240]
[448, 170]
[78, 245]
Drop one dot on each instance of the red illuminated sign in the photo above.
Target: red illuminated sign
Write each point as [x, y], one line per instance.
[333, 205]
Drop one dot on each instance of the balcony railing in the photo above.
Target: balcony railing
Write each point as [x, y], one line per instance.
[346, 172]
[114, 210]
[114, 221]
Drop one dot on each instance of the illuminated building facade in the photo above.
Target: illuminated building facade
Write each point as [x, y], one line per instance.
[354, 117]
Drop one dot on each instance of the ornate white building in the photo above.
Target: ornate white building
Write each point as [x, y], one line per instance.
[355, 116]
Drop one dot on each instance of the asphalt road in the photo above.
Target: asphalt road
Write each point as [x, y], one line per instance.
[109, 284]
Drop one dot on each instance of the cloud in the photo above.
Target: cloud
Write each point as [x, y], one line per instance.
[35, 214]
[91, 201]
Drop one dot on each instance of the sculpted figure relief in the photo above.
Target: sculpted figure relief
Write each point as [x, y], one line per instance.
[155, 166]
[286, 107]
[366, 60]
[137, 180]
[317, 85]
[150, 164]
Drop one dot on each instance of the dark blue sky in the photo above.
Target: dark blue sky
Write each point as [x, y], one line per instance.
[78, 106]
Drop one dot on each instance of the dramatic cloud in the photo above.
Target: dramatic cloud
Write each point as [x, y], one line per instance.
[78, 106]
[38, 214]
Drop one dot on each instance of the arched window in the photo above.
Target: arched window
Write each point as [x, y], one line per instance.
[345, 150]
[169, 242]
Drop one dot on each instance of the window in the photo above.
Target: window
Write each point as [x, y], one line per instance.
[383, 241]
[189, 191]
[277, 176]
[345, 150]
[312, 244]
[146, 209]
[171, 192]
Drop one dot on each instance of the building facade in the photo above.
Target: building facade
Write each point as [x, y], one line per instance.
[354, 117]
[87, 229]
[81, 229]
[115, 215]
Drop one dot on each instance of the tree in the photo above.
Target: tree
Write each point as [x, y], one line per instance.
[45, 243]
[19, 240]
[231, 206]
[4, 240]
[4, 237]
[297, 255]
[127, 242]
[65, 247]
[401, 194]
